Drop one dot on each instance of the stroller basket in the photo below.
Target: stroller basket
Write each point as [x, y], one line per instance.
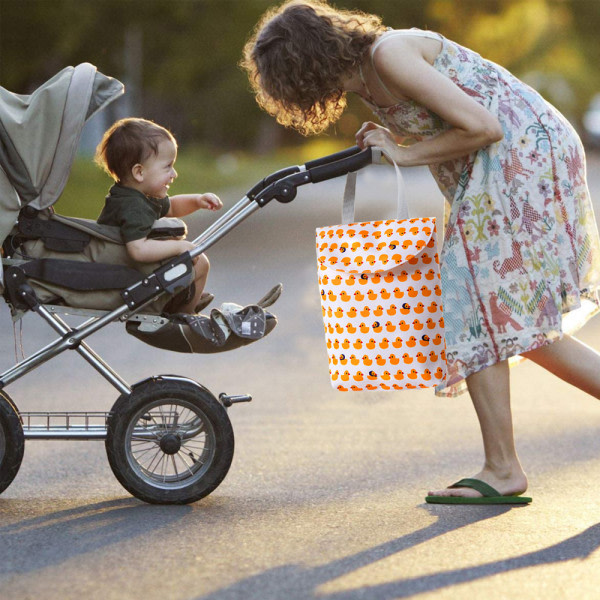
[93, 425]
[64, 425]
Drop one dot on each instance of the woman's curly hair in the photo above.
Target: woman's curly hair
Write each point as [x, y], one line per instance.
[298, 57]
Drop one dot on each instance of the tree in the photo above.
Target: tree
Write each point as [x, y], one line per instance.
[189, 50]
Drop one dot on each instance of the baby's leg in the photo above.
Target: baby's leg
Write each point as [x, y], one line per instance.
[201, 269]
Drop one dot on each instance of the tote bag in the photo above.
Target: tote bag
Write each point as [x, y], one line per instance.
[381, 300]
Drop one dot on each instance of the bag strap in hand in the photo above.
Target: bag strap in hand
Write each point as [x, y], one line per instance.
[350, 196]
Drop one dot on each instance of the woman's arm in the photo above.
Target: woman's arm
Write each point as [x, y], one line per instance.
[405, 71]
[184, 204]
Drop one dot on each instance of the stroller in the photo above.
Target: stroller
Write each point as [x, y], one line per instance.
[168, 439]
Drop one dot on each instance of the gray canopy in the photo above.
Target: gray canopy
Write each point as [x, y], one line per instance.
[39, 136]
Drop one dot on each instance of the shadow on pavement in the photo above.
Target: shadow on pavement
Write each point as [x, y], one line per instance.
[54, 537]
[295, 582]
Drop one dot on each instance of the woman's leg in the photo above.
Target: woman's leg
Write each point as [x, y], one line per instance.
[490, 393]
[567, 358]
[572, 361]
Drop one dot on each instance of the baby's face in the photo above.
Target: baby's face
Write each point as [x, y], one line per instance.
[158, 170]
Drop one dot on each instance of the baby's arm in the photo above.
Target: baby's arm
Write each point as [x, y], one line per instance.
[184, 204]
[145, 250]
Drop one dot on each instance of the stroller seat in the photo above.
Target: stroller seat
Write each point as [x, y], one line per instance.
[79, 263]
[58, 261]
[76, 263]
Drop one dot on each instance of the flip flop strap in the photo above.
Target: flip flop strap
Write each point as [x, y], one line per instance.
[480, 486]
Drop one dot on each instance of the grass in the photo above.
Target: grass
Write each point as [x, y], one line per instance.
[199, 169]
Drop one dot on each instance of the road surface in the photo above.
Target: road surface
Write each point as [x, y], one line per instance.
[324, 498]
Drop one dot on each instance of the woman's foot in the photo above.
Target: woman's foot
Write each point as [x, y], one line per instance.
[508, 483]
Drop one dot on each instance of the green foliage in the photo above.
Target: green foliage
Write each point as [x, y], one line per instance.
[551, 44]
[189, 49]
[229, 175]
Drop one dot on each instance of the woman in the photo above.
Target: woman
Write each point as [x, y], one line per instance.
[521, 247]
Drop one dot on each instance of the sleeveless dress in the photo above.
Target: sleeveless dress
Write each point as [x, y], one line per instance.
[521, 246]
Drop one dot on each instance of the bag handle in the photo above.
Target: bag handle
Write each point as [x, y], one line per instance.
[350, 195]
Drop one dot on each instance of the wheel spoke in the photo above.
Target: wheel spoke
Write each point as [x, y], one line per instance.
[153, 419]
[169, 415]
[163, 466]
[178, 416]
[185, 462]
[194, 457]
[142, 432]
[140, 453]
[158, 454]
[174, 465]
[192, 443]
[162, 416]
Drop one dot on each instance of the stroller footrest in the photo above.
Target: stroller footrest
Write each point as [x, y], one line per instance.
[224, 330]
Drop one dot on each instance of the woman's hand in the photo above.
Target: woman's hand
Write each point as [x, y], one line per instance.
[371, 134]
[360, 134]
[401, 65]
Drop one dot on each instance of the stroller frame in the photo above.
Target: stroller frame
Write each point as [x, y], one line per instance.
[139, 415]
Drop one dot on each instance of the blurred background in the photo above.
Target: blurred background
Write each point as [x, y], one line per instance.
[178, 60]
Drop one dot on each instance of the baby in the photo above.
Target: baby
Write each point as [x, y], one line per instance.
[140, 156]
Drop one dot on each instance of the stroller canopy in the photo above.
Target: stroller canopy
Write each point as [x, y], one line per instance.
[39, 136]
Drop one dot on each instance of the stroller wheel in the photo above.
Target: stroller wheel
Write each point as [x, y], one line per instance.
[170, 441]
[12, 441]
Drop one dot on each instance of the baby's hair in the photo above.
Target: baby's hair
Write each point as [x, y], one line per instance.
[127, 143]
[298, 57]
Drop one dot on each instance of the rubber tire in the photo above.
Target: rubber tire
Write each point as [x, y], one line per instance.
[125, 409]
[14, 441]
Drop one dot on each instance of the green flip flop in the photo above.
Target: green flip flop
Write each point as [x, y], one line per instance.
[489, 495]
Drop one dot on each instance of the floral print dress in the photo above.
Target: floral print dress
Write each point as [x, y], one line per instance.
[521, 246]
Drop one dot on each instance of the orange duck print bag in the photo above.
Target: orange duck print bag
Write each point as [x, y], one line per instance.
[381, 300]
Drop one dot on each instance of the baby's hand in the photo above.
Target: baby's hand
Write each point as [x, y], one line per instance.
[209, 201]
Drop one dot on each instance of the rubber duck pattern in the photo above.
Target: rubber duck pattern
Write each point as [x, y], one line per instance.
[381, 300]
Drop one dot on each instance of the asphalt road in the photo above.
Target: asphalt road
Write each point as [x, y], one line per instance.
[325, 495]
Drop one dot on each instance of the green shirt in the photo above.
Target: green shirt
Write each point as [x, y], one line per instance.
[132, 211]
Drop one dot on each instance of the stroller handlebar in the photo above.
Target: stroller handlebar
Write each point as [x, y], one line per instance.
[359, 158]
[267, 181]
[281, 186]
[318, 162]
[352, 159]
